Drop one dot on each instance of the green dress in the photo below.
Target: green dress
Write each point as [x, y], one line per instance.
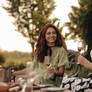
[59, 58]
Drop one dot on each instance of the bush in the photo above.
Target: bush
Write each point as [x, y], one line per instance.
[17, 65]
[2, 58]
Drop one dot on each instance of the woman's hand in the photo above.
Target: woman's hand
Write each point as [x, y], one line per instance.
[51, 69]
[54, 71]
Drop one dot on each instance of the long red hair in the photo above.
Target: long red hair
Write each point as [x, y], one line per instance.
[41, 46]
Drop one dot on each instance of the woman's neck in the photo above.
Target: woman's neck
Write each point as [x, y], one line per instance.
[51, 48]
[51, 44]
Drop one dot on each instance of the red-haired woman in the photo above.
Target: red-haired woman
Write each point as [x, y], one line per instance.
[50, 49]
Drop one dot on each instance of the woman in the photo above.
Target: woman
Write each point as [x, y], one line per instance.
[50, 56]
[50, 49]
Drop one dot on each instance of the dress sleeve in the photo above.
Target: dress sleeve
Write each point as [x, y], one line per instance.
[63, 58]
[35, 64]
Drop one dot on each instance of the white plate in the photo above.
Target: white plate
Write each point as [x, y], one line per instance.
[42, 86]
[45, 85]
[53, 89]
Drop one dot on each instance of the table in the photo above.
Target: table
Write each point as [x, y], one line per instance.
[50, 91]
[28, 89]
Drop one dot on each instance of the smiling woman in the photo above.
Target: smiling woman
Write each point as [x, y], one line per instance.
[51, 36]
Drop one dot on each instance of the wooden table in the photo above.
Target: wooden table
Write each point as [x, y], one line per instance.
[28, 89]
[50, 91]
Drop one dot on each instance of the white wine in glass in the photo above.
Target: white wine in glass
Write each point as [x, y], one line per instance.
[47, 60]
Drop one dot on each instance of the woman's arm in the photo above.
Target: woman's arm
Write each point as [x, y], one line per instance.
[20, 72]
[60, 71]
[83, 61]
[25, 70]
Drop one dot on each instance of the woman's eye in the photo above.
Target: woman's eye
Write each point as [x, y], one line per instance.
[54, 32]
[48, 33]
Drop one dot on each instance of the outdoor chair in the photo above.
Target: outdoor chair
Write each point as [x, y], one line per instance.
[73, 63]
[72, 81]
[6, 74]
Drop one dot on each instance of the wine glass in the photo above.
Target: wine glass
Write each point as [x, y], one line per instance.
[79, 46]
[47, 60]
[31, 75]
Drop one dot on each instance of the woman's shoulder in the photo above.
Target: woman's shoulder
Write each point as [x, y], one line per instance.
[60, 48]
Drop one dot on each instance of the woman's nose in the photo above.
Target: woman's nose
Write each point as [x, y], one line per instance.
[51, 34]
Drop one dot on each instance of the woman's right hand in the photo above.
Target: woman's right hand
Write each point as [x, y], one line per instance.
[51, 69]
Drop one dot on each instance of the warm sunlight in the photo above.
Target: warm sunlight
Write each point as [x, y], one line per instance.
[11, 40]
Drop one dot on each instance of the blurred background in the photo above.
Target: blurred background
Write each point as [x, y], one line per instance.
[22, 20]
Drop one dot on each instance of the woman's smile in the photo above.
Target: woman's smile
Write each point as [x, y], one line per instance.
[50, 35]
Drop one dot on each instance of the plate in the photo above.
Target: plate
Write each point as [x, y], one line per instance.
[46, 85]
[54, 89]
[42, 86]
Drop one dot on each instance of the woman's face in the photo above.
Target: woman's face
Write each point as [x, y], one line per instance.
[50, 35]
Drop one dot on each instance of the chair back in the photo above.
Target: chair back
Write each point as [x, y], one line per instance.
[2, 74]
[74, 66]
[5, 74]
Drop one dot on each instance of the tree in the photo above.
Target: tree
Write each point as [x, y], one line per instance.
[30, 16]
[80, 25]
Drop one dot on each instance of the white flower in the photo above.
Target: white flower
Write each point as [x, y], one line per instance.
[84, 79]
[90, 81]
[85, 85]
[67, 86]
[65, 79]
[78, 87]
[77, 81]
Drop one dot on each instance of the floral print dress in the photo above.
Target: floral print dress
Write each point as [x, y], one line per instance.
[76, 84]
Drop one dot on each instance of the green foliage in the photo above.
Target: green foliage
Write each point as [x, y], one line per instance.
[17, 65]
[84, 72]
[80, 24]
[2, 58]
[30, 16]
[16, 59]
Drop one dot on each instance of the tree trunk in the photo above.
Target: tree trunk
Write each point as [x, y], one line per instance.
[32, 45]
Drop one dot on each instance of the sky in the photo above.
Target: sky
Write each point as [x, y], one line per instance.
[11, 40]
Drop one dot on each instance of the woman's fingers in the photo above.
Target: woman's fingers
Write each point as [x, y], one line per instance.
[51, 69]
